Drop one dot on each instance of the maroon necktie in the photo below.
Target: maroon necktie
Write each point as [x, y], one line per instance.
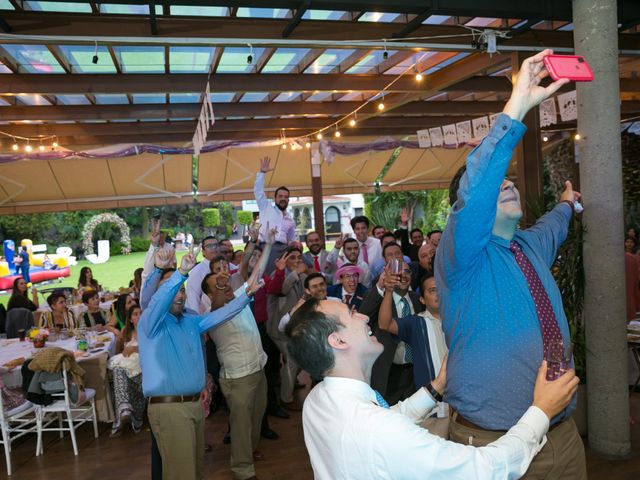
[316, 263]
[347, 299]
[551, 334]
[365, 254]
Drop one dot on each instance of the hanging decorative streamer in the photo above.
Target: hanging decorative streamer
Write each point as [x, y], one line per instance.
[463, 131]
[424, 139]
[548, 112]
[480, 127]
[437, 139]
[568, 109]
[450, 135]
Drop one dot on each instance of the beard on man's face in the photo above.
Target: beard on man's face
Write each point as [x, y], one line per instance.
[282, 205]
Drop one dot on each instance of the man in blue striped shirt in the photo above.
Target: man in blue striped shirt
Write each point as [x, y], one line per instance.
[490, 318]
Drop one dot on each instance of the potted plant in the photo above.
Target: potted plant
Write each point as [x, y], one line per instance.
[245, 217]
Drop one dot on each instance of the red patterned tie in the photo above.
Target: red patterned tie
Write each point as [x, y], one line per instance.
[347, 299]
[316, 263]
[551, 334]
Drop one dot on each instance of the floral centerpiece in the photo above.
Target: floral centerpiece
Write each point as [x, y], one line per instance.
[38, 336]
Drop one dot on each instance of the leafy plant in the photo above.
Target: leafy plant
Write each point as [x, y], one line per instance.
[210, 217]
[245, 217]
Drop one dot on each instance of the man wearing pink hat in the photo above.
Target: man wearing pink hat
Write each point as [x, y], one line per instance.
[348, 287]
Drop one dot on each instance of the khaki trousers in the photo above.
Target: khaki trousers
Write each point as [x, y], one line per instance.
[247, 400]
[562, 457]
[179, 432]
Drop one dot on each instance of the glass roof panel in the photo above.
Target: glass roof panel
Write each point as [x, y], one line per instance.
[448, 61]
[199, 11]
[262, 12]
[126, 9]
[4, 103]
[221, 97]
[566, 28]
[140, 59]
[369, 62]
[73, 99]
[436, 19]
[355, 96]
[254, 97]
[480, 22]
[379, 17]
[58, 7]
[184, 98]
[330, 59]
[234, 60]
[80, 59]
[32, 99]
[287, 97]
[319, 97]
[6, 5]
[34, 59]
[285, 60]
[190, 59]
[4, 68]
[112, 99]
[323, 15]
[149, 98]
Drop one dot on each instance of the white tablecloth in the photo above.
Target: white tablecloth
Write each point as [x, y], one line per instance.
[14, 348]
[77, 309]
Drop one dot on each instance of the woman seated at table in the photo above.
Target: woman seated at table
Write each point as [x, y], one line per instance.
[127, 377]
[135, 285]
[120, 308]
[19, 297]
[86, 280]
[59, 316]
[95, 316]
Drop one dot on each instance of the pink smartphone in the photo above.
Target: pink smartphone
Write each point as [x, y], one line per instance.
[573, 67]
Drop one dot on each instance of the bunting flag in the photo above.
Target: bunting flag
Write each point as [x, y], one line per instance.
[424, 139]
[463, 131]
[436, 136]
[567, 103]
[548, 112]
[450, 135]
[480, 127]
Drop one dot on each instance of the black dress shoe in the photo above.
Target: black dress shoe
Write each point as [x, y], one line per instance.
[279, 412]
[269, 434]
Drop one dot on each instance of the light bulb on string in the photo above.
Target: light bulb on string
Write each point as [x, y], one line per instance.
[545, 138]
[419, 77]
[307, 144]
[54, 144]
[352, 122]
[15, 147]
[284, 146]
[28, 148]
[577, 136]
[337, 134]
[319, 136]
[381, 105]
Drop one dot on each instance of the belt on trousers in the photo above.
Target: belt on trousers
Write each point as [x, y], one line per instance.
[459, 419]
[175, 398]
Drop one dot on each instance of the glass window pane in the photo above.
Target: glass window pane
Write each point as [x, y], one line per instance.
[111, 99]
[184, 98]
[325, 15]
[58, 7]
[287, 97]
[125, 9]
[140, 59]
[34, 59]
[370, 62]
[254, 97]
[149, 98]
[6, 5]
[73, 99]
[285, 60]
[199, 11]
[319, 97]
[221, 97]
[80, 58]
[262, 12]
[379, 17]
[436, 19]
[4, 68]
[32, 99]
[234, 60]
[190, 59]
[329, 60]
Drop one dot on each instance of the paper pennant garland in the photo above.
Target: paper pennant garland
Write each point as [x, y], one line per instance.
[480, 127]
[450, 136]
[463, 131]
[436, 136]
[206, 119]
[567, 103]
[548, 113]
[424, 140]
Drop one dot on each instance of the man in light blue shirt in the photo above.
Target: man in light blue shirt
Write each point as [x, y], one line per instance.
[490, 319]
[173, 371]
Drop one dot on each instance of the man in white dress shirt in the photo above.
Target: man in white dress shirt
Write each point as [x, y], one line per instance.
[274, 215]
[194, 284]
[352, 434]
[370, 247]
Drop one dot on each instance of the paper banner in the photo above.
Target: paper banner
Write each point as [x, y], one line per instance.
[567, 104]
[436, 136]
[424, 140]
[205, 113]
[450, 135]
[480, 127]
[548, 113]
[492, 118]
[463, 131]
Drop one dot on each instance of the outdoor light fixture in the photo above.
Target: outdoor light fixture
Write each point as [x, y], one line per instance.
[284, 146]
[381, 106]
[352, 122]
[576, 136]
[385, 54]
[94, 60]
[41, 148]
[337, 134]
[545, 139]
[319, 136]
[28, 148]
[308, 145]
[54, 144]
[14, 147]
[250, 56]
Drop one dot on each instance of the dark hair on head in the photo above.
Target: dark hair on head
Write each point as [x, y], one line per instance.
[88, 295]
[377, 227]
[137, 277]
[349, 240]
[313, 276]
[432, 232]
[414, 231]
[208, 237]
[15, 291]
[313, 232]
[121, 307]
[293, 248]
[308, 332]
[164, 271]
[423, 279]
[275, 194]
[387, 234]
[129, 327]
[233, 255]
[635, 242]
[216, 259]
[359, 219]
[55, 295]
[388, 245]
[82, 281]
[455, 184]
[225, 240]
[204, 286]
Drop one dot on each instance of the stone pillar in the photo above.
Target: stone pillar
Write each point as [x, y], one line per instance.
[596, 38]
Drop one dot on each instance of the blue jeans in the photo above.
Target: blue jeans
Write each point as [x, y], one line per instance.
[25, 273]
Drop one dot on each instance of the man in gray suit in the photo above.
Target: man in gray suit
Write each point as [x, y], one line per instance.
[316, 257]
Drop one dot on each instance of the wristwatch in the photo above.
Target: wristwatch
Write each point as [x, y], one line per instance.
[433, 392]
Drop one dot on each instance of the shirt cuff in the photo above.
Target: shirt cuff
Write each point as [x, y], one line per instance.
[380, 291]
[423, 401]
[509, 130]
[537, 420]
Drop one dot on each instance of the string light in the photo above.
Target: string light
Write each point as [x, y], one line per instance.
[54, 144]
[28, 148]
[577, 136]
[337, 134]
[352, 122]
[14, 147]
[381, 106]
[319, 136]
[419, 77]
[284, 146]
[307, 144]
[545, 139]
[41, 148]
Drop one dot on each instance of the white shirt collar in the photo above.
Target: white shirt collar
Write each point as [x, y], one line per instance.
[357, 387]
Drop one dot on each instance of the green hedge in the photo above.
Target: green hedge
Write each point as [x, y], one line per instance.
[210, 217]
[139, 244]
[245, 217]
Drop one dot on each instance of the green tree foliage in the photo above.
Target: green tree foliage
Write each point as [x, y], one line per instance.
[245, 217]
[428, 209]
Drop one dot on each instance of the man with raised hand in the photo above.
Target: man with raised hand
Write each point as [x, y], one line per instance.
[351, 433]
[173, 370]
[501, 308]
